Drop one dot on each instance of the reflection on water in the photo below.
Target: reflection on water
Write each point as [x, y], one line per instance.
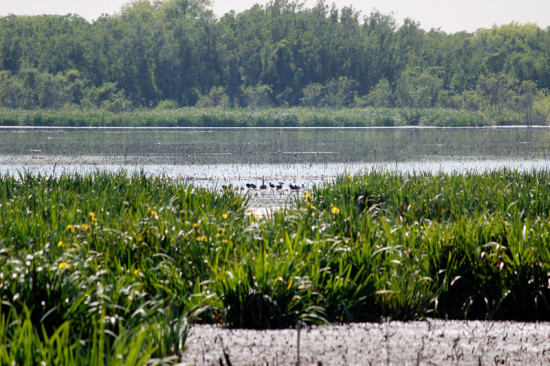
[299, 155]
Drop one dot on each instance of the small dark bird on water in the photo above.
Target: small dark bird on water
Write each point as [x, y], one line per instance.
[263, 186]
[279, 186]
[293, 187]
[271, 185]
[253, 186]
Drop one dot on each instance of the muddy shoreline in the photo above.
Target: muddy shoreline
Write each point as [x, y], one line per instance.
[431, 342]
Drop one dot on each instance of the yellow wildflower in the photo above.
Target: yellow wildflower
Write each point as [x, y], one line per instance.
[65, 265]
[335, 210]
[221, 230]
[85, 227]
[70, 228]
[308, 196]
[137, 271]
[224, 216]
[92, 217]
[60, 244]
[201, 238]
[195, 225]
[154, 213]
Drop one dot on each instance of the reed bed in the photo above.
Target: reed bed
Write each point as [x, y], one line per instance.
[102, 267]
[244, 117]
[113, 267]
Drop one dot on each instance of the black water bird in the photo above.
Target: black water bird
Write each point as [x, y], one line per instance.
[293, 187]
[271, 185]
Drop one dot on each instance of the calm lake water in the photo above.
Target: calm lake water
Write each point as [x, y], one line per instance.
[211, 156]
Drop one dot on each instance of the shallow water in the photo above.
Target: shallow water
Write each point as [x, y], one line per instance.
[302, 155]
[299, 156]
[429, 342]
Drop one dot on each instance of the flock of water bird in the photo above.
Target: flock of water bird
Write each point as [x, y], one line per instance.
[277, 186]
[272, 186]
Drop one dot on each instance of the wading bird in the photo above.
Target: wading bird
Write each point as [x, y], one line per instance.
[293, 187]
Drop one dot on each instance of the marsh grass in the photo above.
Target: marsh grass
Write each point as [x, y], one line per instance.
[78, 251]
[116, 266]
[242, 117]
[454, 246]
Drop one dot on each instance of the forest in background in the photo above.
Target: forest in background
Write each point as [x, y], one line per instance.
[176, 53]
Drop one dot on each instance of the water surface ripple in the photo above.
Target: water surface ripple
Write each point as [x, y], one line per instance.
[219, 156]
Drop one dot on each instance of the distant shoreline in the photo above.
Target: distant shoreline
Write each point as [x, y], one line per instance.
[213, 117]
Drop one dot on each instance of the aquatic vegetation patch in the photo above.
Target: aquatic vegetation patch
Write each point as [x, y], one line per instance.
[243, 117]
[94, 263]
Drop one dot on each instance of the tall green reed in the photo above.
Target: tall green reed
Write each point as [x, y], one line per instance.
[113, 254]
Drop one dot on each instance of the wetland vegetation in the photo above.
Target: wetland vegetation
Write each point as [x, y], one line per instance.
[90, 265]
[246, 117]
[111, 268]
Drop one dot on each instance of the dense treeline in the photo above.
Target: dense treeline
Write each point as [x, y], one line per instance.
[177, 53]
